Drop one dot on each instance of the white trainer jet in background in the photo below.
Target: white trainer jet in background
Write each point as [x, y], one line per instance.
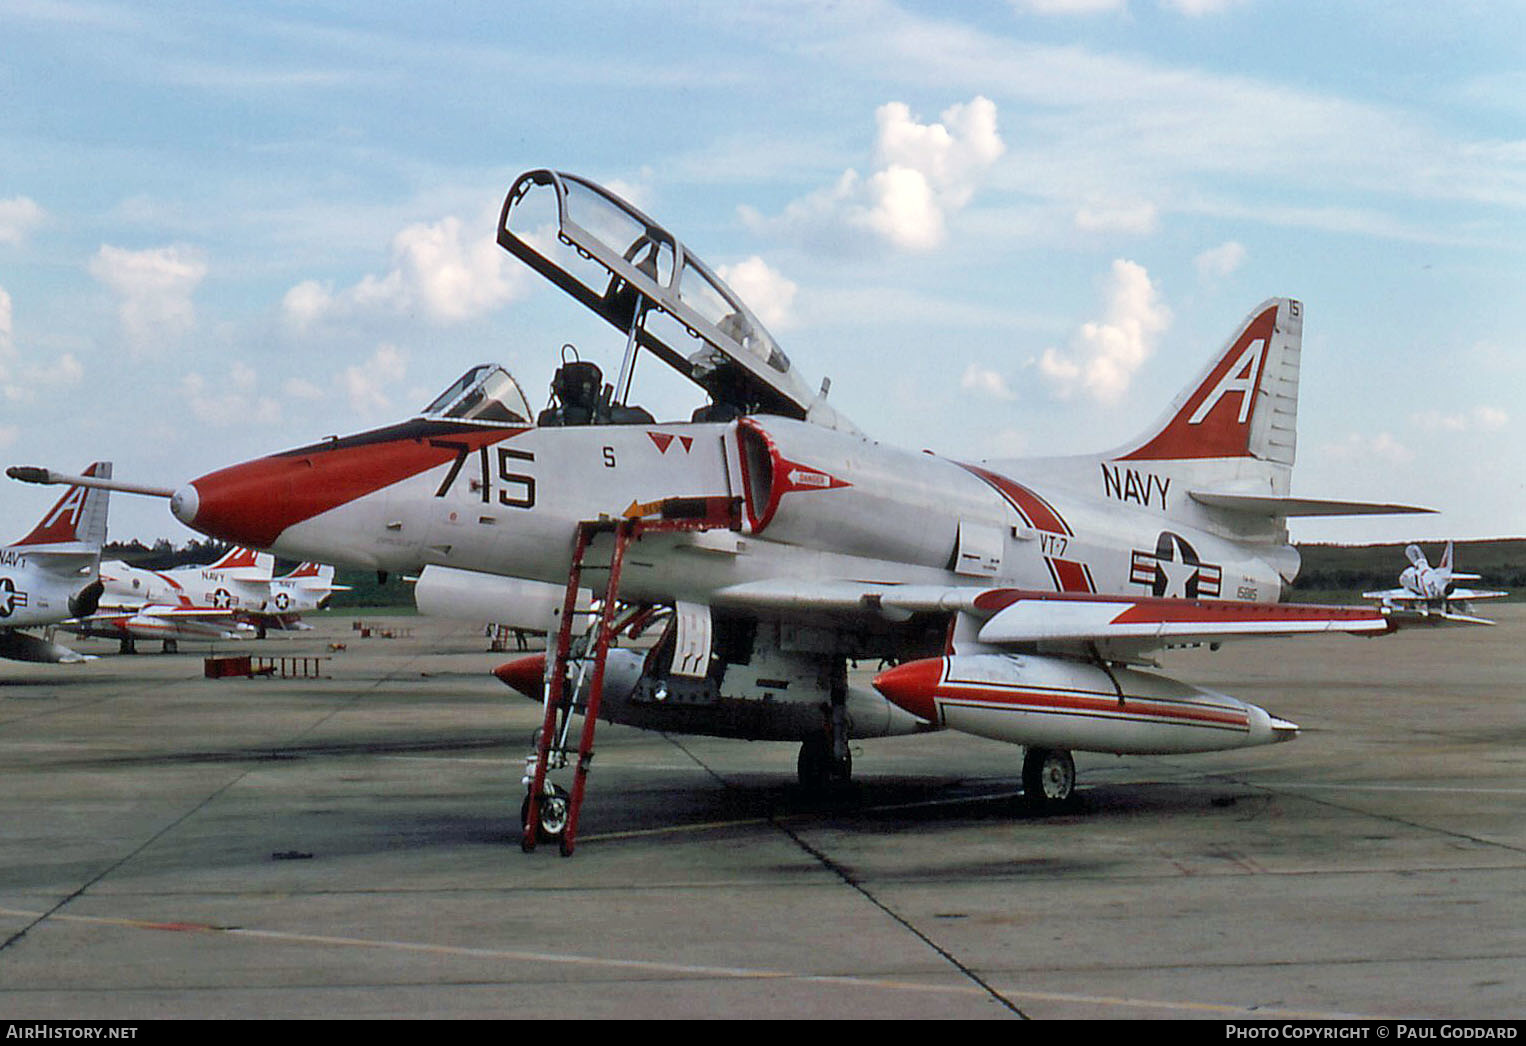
[196, 604]
[1017, 599]
[52, 573]
[309, 586]
[1430, 594]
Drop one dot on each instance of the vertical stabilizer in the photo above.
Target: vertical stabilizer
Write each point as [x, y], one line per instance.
[78, 517]
[1244, 405]
[246, 564]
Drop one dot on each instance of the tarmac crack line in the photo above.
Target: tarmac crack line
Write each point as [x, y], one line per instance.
[109, 869]
[83, 888]
[863, 891]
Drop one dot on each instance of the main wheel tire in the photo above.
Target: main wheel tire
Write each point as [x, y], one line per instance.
[818, 768]
[1049, 777]
[814, 767]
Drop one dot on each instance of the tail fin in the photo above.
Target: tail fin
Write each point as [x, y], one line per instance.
[249, 564]
[304, 570]
[1244, 405]
[78, 517]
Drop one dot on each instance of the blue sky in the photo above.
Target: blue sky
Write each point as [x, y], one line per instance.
[1000, 228]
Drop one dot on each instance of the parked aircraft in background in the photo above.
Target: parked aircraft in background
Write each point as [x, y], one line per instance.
[240, 580]
[52, 573]
[1018, 599]
[230, 599]
[309, 586]
[1430, 594]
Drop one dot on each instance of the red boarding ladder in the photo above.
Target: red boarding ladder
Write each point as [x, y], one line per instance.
[672, 515]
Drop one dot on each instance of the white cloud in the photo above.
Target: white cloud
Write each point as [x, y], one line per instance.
[923, 173]
[1104, 355]
[306, 303]
[1007, 443]
[18, 217]
[1070, 7]
[985, 382]
[1218, 262]
[1191, 8]
[1199, 8]
[1480, 418]
[366, 385]
[1136, 218]
[18, 378]
[9, 434]
[768, 293]
[231, 400]
[302, 389]
[1364, 449]
[434, 270]
[154, 289]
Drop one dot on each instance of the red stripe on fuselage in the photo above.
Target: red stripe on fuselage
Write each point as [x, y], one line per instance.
[1036, 512]
[254, 502]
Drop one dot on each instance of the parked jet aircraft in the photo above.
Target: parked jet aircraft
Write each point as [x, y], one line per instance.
[195, 604]
[52, 573]
[229, 599]
[1430, 593]
[309, 586]
[1018, 599]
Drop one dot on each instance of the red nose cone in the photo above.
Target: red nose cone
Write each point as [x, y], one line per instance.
[248, 504]
[254, 503]
[526, 674]
[914, 687]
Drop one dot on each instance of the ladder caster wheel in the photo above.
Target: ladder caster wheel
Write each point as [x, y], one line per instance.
[554, 807]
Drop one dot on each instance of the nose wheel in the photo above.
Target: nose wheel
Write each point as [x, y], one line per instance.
[1049, 777]
[551, 819]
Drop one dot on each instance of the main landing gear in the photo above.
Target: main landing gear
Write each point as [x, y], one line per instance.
[1049, 778]
[819, 767]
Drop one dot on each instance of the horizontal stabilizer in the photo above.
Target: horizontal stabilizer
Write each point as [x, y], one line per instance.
[1272, 505]
[23, 646]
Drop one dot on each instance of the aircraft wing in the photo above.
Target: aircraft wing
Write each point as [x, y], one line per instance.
[160, 622]
[1068, 624]
[1404, 608]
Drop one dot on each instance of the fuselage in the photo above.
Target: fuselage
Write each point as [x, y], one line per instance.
[190, 587]
[817, 504]
[39, 593]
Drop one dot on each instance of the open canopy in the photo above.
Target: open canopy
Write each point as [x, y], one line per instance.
[643, 281]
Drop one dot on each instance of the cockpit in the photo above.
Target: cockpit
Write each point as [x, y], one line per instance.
[486, 393]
